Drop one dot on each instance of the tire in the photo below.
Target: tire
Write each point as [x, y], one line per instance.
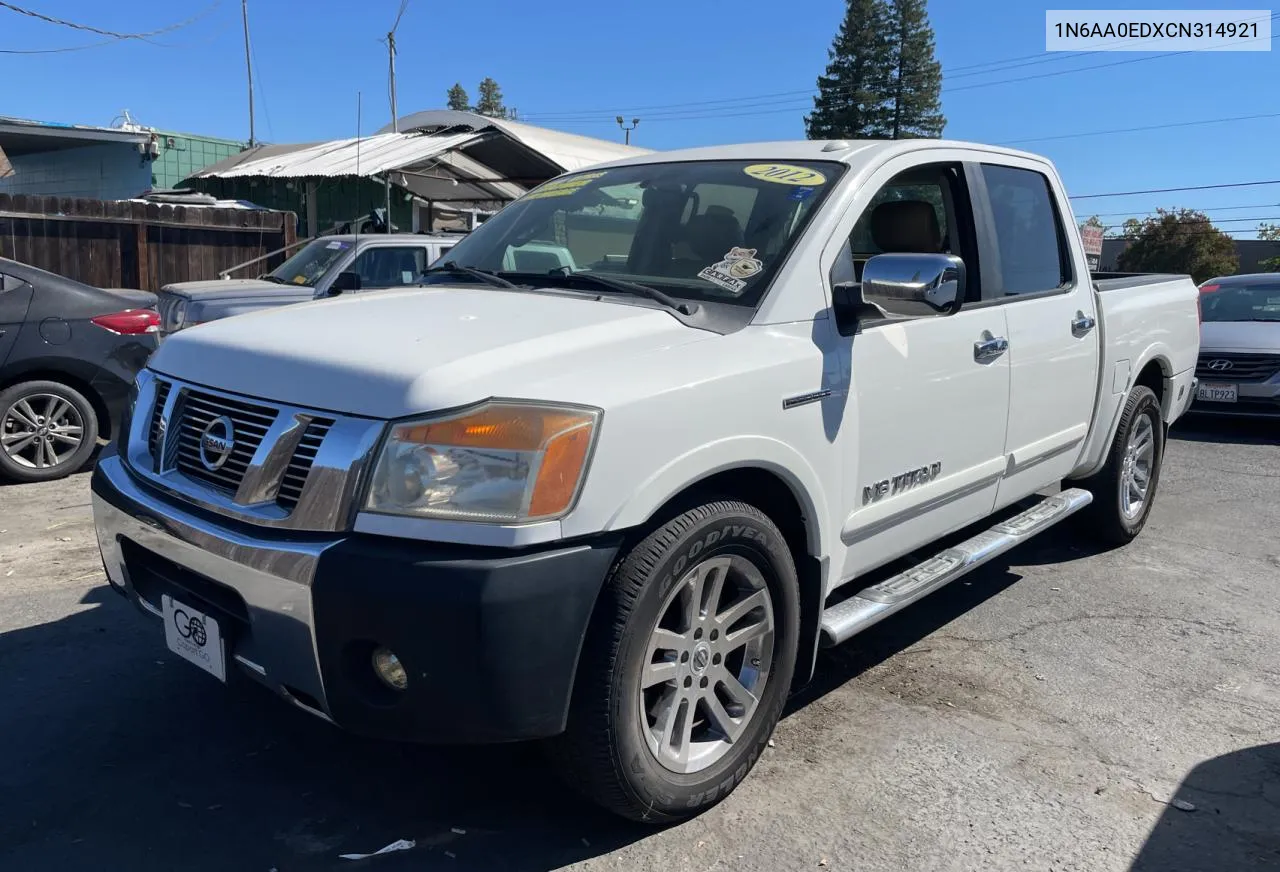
[610, 750]
[23, 409]
[1111, 517]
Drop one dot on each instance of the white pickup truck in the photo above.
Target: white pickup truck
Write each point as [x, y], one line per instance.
[645, 440]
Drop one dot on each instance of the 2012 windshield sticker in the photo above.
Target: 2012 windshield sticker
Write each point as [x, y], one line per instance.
[731, 273]
[563, 187]
[785, 174]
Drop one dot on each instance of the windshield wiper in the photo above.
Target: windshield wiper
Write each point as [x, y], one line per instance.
[486, 277]
[268, 277]
[634, 288]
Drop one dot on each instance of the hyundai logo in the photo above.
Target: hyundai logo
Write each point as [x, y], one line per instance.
[1219, 365]
[216, 443]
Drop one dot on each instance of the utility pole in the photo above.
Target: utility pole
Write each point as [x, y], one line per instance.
[635, 122]
[395, 115]
[248, 63]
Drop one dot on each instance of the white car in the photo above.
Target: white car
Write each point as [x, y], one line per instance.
[650, 436]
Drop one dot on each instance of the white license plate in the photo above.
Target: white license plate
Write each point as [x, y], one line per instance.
[194, 636]
[1216, 393]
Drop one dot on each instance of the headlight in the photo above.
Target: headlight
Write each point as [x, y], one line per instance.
[501, 462]
[178, 315]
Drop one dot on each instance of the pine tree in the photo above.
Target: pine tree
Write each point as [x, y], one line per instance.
[490, 102]
[917, 86]
[854, 94]
[458, 98]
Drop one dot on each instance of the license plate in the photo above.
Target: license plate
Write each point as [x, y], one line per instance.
[1216, 393]
[194, 636]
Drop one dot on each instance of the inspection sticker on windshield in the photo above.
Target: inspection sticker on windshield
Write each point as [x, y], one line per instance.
[563, 187]
[739, 264]
[785, 174]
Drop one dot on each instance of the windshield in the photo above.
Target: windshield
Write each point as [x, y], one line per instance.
[1250, 302]
[711, 231]
[310, 264]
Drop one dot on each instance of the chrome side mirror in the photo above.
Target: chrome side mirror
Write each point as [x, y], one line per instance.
[914, 285]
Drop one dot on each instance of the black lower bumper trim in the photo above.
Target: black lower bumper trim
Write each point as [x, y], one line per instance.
[489, 639]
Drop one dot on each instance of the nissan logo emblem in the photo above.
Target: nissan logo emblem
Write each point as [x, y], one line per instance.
[217, 442]
[1219, 365]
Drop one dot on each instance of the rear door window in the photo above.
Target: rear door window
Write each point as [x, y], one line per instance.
[1030, 244]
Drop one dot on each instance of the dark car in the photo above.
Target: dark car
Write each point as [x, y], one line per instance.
[69, 353]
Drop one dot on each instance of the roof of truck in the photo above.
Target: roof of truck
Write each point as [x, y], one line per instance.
[848, 151]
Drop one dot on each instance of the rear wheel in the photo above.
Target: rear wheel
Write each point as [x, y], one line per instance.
[47, 430]
[686, 667]
[1124, 489]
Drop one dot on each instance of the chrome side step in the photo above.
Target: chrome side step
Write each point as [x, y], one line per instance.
[877, 602]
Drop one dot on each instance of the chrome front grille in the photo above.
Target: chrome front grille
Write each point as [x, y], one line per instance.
[1237, 367]
[155, 430]
[288, 466]
[295, 475]
[249, 424]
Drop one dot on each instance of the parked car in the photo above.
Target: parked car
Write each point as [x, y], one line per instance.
[1239, 367]
[68, 356]
[618, 502]
[325, 267]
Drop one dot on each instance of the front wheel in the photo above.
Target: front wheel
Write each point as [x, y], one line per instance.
[1124, 489]
[47, 431]
[686, 666]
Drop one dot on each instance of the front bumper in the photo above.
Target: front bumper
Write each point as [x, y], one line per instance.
[489, 637]
[1253, 399]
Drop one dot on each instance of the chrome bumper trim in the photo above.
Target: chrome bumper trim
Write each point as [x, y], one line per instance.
[273, 577]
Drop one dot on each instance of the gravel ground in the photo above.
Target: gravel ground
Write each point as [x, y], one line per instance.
[1059, 709]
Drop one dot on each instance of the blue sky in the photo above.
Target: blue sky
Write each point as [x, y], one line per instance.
[575, 64]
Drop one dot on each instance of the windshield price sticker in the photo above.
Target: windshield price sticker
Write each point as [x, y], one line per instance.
[563, 187]
[731, 273]
[785, 174]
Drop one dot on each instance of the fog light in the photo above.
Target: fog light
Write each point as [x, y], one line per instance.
[390, 669]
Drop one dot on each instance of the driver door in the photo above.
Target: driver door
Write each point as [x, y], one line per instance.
[925, 422]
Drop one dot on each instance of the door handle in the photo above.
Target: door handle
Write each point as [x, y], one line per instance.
[1082, 324]
[987, 350]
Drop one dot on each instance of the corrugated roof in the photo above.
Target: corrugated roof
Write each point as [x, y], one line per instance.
[368, 156]
[569, 150]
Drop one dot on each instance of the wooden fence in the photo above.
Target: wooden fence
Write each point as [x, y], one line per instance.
[126, 244]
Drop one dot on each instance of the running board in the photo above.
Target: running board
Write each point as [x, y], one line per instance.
[877, 602]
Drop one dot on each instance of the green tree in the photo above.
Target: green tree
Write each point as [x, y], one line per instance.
[490, 102]
[854, 94]
[458, 98]
[1270, 232]
[1178, 241]
[917, 76]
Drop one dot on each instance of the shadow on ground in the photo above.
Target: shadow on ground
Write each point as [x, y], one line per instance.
[1233, 823]
[118, 755]
[1244, 431]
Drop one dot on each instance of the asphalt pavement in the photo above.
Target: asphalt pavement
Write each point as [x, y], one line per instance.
[1062, 708]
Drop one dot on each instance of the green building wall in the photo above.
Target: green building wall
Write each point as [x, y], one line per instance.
[182, 154]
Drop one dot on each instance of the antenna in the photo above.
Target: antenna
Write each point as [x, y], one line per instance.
[244, 14]
[355, 246]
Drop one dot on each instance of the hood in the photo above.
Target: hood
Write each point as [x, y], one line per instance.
[1258, 337]
[398, 353]
[238, 288]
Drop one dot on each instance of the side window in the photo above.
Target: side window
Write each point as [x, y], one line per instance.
[9, 283]
[388, 266]
[1029, 238]
[923, 210]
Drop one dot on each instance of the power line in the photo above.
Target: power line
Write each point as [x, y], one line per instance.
[1138, 129]
[62, 22]
[36, 51]
[675, 111]
[1172, 190]
[1209, 209]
